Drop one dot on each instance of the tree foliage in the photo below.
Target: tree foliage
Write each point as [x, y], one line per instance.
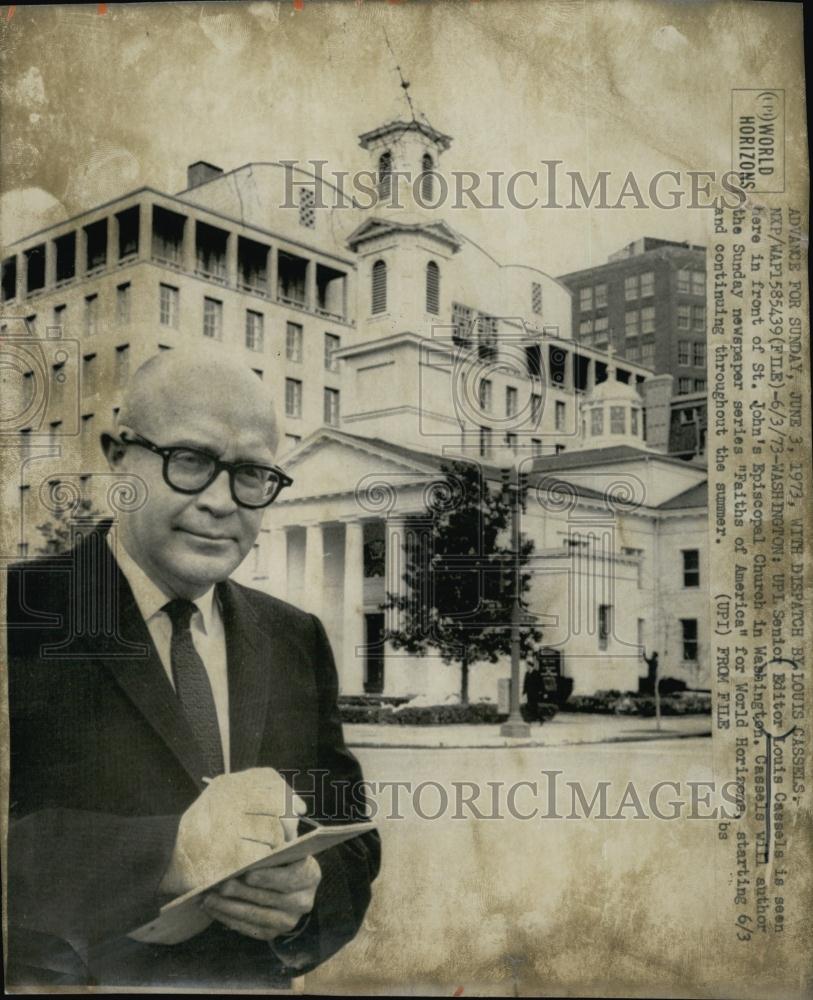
[459, 576]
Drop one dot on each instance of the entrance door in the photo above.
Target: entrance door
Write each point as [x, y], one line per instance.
[374, 653]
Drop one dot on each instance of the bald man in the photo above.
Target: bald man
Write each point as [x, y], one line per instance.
[167, 724]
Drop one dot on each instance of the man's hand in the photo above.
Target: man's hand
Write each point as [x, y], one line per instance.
[266, 902]
[233, 822]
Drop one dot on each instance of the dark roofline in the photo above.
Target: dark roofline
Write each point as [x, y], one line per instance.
[443, 140]
[666, 251]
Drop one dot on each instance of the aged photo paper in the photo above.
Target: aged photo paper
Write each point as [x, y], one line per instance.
[495, 316]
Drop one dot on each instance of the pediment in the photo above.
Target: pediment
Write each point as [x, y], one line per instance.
[327, 466]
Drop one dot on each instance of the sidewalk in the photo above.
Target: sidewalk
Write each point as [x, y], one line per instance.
[565, 729]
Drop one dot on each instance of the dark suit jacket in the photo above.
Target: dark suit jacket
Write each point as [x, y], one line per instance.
[103, 764]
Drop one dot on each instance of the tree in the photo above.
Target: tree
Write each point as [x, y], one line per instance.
[459, 576]
[58, 534]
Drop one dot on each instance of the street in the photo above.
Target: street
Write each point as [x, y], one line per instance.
[530, 906]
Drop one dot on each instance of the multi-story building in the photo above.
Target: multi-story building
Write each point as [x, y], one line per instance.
[649, 303]
[390, 341]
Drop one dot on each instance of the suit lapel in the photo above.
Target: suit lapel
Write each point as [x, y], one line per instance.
[252, 668]
[145, 682]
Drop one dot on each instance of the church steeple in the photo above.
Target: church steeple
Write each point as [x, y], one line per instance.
[406, 153]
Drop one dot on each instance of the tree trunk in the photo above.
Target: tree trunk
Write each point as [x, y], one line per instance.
[464, 681]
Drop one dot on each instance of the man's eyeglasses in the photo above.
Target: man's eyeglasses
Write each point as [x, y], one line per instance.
[189, 470]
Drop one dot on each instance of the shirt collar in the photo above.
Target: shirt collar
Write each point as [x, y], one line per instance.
[151, 598]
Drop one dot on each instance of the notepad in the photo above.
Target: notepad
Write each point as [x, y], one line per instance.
[183, 917]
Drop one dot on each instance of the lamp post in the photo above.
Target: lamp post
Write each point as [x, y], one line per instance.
[514, 726]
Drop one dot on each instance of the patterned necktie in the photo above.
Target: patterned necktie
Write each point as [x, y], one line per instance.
[192, 685]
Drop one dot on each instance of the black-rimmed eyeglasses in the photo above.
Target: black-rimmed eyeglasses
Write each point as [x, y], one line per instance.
[190, 470]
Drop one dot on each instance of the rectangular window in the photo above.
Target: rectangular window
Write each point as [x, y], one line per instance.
[511, 441]
[691, 567]
[684, 386]
[169, 306]
[602, 324]
[688, 628]
[91, 314]
[486, 395]
[648, 354]
[536, 408]
[560, 414]
[536, 297]
[648, 319]
[683, 280]
[605, 624]
[536, 446]
[123, 303]
[684, 317]
[597, 421]
[293, 397]
[255, 332]
[307, 211]
[487, 338]
[586, 299]
[511, 396]
[485, 442]
[601, 296]
[647, 284]
[699, 354]
[699, 385]
[9, 283]
[698, 282]
[65, 247]
[212, 318]
[631, 322]
[684, 353]
[122, 363]
[586, 327]
[618, 422]
[638, 554]
[60, 316]
[89, 374]
[699, 317]
[462, 320]
[96, 245]
[631, 288]
[634, 421]
[332, 407]
[291, 441]
[293, 342]
[632, 350]
[332, 344]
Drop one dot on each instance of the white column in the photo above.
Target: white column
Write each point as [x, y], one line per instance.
[145, 230]
[394, 567]
[314, 569]
[277, 567]
[353, 656]
[231, 260]
[272, 273]
[188, 259]
[310, 285]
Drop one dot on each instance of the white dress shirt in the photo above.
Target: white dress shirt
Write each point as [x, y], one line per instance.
[206, 626]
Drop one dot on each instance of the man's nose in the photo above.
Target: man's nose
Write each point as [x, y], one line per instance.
[217, 496]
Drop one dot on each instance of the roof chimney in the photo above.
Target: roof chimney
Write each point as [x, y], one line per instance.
[201, 172]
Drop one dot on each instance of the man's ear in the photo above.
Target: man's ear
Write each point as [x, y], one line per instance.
[113, 450]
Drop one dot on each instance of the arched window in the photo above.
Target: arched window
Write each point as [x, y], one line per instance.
[379, 287]
[427, 179]
[384, 174]
[432, 288]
